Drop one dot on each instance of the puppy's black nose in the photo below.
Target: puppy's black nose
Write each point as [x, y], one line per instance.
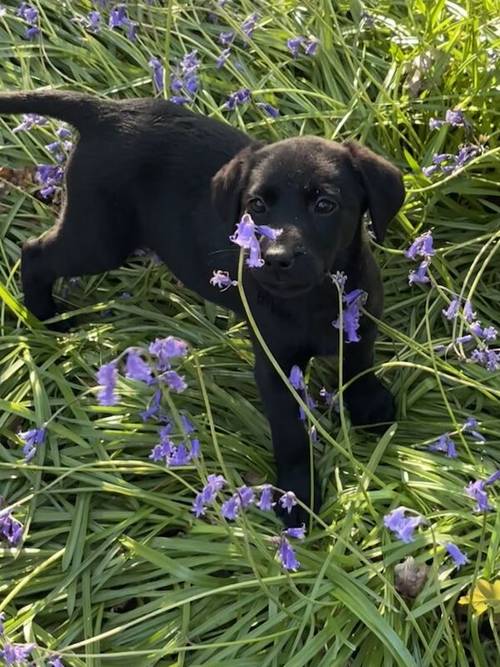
[280, 257]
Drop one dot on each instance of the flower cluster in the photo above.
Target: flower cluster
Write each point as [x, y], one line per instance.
[10, 528]
[446, 444]
[245, 237]
[184, 81]
[453, 117]
[477, 335]
[172, 454]
[163, 350]
[478, 491]
[227, 38]
[422, 247]
[309, 45]
[29, 121]
[352, 302]
[242, 499]
[448, 163]
[241, 96]
[29, 14]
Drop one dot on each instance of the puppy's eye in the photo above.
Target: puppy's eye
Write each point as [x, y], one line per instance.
[324, 206]
[256, 205]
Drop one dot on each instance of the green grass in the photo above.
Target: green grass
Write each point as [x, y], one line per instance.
[114, 568]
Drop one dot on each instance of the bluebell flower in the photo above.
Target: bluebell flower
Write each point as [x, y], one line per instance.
[311, 404]
[241, 96]
[451, 312]
[246, 495]
[469, 314]
[10, 528]
[179, 99]
[470, 426]
[492, 478]
[293, 45]
[245, 232]
[455, 118]
[422, 246]
[118, 16]
[230, 508]
[107, 377]
[420, 275]
[180, 456]
[313, 434]
[222, 280]
[490, 359]
[457, 556]
[296, 378]
[158, 72]
[32, 439]
[286, 555]
[288, 500]
[187, 425]
[248, 25]
[50, 176]
[136, 368]
[29, 121]
[132, 27]
[93, 21]
[311, 46]
[56, 662]
[198, 508]
[339, 278]
[265, 502]
[63, 132]
[351, 314]
[298, 533]
[226, 38]
[476, 491]
[222, 58]
[269, 109]
[153, 408]
[174, 381]
[446, 445]
[2, 619]
[166, 349]
[195, 448]
[435, 124]
[402, 526]
[215, 483]
[16, 654]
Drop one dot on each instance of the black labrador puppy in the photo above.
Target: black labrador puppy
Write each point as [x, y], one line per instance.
[148, 173]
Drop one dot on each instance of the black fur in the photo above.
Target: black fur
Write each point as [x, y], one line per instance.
[148, 173]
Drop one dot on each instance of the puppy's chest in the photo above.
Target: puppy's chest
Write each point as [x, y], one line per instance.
[322, 335]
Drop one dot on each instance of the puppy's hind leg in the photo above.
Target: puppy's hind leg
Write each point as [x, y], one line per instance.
[81, 243]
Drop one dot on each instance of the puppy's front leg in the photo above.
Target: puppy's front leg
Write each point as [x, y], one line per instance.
[290, 440]
[369, 402]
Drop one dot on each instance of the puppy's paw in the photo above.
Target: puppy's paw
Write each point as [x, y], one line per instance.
[297, 479]
[372, 407]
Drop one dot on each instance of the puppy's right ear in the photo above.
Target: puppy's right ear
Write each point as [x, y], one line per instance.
[229, 182]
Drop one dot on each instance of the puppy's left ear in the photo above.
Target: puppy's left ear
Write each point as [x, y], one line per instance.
[383, 184]
[229, 182]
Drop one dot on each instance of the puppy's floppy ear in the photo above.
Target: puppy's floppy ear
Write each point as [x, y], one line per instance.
[383, 184]
[229, 182]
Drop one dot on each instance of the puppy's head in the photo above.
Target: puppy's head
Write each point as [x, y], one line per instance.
[316, 191]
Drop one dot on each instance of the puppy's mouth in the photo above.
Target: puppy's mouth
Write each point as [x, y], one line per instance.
[284, 289]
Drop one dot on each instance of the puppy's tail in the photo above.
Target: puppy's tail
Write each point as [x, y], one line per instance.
[80, 110]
